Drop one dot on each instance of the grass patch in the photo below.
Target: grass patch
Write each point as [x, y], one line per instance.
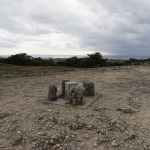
[133, 136]
[11, 71]
[71, 127]
[18, 141]
[5, 137]
[119, 109]
[45, 103]
[61, 96]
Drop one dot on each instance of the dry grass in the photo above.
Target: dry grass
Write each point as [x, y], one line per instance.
[12, 71]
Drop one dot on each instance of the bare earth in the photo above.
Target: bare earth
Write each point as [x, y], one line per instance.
[118, 120]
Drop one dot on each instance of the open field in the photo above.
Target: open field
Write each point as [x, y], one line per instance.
[15, 71]
[118, 120]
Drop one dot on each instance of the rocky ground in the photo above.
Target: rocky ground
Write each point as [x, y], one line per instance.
[118, 120]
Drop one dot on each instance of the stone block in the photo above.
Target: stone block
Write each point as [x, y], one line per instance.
[52, 93]
[76, 95]
[68, 86]
[89, 88]
[63, 86]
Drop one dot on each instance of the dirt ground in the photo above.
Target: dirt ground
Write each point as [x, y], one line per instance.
[118, 120]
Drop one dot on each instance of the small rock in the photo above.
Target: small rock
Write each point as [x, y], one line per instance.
[128, 111]
[18, 132]
[95, 144]
[57, 145]
[114, 143]
[54, 137]
[52, 141]
[50, 110]
[67, 137]
[4, 115]
[41, 134]
[90, 127]
[113, 121]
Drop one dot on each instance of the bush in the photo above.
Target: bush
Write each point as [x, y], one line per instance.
[20, 59]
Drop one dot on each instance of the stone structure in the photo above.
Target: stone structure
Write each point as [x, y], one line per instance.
[63, 86]
[52, 93]
[76, 95]
[68, 86]
[89, 88]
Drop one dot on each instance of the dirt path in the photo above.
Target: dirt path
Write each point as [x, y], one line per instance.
[118, 120]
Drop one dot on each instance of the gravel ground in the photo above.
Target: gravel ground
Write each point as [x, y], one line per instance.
[118, 120]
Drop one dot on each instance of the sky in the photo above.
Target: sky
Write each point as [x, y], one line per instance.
[75, 27]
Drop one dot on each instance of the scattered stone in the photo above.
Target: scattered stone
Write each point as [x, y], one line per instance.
[67, 137]
[113, 122]
[62, 127]
[95, 144]
[130, 137]
[90, 126]
[50, 110]
[4, 115]
[100, 109]
[52, 93]
[114, 143]
[41, 134]
[57, 145]
[52, 141]
[128, 111]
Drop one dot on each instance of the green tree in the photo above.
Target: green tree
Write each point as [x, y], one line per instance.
[96, 59]
[42, 62]
[37, 61]
[2, 60]
[20, 59]
[72, 62]
[48, 62]
[60, 63]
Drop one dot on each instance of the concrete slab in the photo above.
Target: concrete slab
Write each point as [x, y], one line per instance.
[87, 99]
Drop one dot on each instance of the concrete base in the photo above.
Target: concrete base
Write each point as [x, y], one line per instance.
[88, 100]
[68, 86]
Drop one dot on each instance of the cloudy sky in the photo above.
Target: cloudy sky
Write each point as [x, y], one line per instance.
[75, 27]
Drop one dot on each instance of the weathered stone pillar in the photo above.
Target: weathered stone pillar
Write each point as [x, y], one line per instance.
[68, 86]
[52, 93]
[76, 95]
[63, 86]
[89, 88]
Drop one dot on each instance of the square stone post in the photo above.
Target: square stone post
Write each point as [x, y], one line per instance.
[52, 93]
[68, 86]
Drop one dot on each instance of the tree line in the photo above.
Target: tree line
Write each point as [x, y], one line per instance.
[92, 60]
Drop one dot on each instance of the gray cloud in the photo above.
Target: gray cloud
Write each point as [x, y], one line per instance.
[51, 27]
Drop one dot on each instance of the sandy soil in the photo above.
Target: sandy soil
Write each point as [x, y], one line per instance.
[118, 120]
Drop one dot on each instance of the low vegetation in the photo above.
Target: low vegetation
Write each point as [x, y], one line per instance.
[92, 60]
[18, 141]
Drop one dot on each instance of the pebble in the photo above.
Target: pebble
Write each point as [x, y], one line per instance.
[114, 143]
[95, 144]
[50, 110]
[54, 137]
[67, 137]
[41, 134]
[90, 127]
[57, 145]
[52, 141]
